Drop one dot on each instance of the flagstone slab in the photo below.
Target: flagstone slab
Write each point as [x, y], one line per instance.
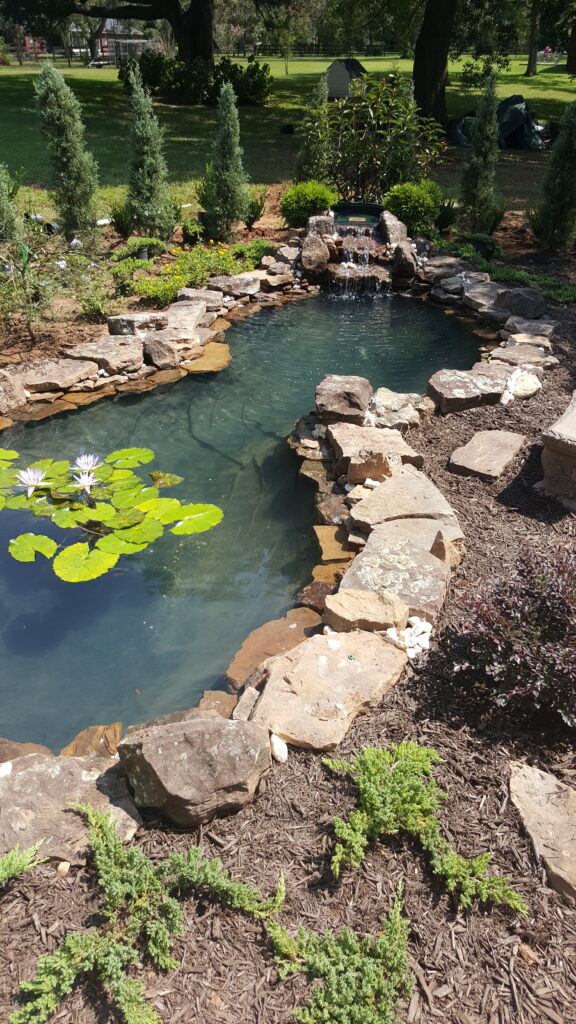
[407, 494]
[272, 638]
[487, 454]
[455, 390]
[548, 811]
[56, 374]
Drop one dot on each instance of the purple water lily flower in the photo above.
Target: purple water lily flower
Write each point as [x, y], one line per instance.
[86, 463]
[30, 479]
[86, 481]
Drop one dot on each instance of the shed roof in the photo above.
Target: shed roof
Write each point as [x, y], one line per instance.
[353, 66]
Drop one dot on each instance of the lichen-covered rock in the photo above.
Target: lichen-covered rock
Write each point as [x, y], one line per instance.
[238, 286]
[522, 355]
[369, 452]
[11, 391]
[395, 409]
[454, 390]
[392, 230]
[55, 374]
[407, 494]
[131, 323]
[343, 398]
[193, 770]
[440, 267]
[315, 256]
[320, 224]
[272, 638]
[115, 354]
[364, 609]
[209, 296]
[478, 295]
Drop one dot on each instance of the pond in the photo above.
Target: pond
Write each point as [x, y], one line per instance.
[151, 635]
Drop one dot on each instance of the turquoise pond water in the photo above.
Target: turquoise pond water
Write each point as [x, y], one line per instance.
[160, 628]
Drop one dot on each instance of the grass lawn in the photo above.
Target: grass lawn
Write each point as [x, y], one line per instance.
[269, 154]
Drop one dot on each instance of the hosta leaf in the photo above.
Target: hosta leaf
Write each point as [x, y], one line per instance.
[115, 545]
[78, 563]
[125, 458]
[8, 453]
[127, 498]
[25, 547]
[197, 519]
[143, 533]
[165, 479]
[65, 518]
[165, 510]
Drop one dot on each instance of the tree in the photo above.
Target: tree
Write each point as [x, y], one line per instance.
[571, 50]
[149, 206]
[74, 172]
[532, 65]
[11, 226]
[554, 219]
[478, 198]
[431, 57]
[223, 191]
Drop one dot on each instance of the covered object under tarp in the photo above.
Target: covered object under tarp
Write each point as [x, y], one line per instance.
[517, 128]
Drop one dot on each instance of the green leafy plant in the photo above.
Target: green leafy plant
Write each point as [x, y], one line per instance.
[223, 190]
[361, 980]
[554, 217]
[196, 81]
[191, 231]
[122, 219]
[480, 208]
[397, 792]
[148, 204]
[103, 501]
[304, 200]
[123, 272]
[11, 226]
[195, 267]
[256, 204]
[447, 214]
[16, 862]
[312, 158]
[155, 247]
[417, 204]
[142, 913]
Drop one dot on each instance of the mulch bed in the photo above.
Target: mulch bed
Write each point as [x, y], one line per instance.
[483, 967]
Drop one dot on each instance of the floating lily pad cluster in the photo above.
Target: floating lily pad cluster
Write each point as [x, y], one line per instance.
[114, 511]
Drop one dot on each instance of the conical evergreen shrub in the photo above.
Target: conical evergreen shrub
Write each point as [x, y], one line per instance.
[149, 207]
[11, 225]
[481, 209]
[313, 156]
[74, 171]
[554, 218]
[223, 191]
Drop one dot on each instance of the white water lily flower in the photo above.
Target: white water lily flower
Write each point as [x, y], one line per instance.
[86, 463]
[30, 479]
[86, 481]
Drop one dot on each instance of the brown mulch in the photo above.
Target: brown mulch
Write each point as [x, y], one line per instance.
[484, 967]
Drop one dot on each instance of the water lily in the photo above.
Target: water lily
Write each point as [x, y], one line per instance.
[86, 481]
[86, 463]
[30, 479]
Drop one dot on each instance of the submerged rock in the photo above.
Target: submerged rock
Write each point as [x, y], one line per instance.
[272, 638]
[96, 739]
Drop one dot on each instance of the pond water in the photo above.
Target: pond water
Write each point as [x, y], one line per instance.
[151, 635]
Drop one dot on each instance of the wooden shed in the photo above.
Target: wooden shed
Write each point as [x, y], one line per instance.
[340, 74]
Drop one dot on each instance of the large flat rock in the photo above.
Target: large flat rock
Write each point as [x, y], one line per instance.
[341, 397]
[56, 374]
[477, 296]
[211, 297]
[487, 454]
[272, 638]
[11, 391]
[523, 325]
[131, 323]
[185, 316]
[394, 564]
[525, 302]
[548, 810]
[36, 793]
[115, 354]
[314, 692]
[364, 609]
[522, 355]
[407, 494]
[364, 452]
[238, 285]
[192, 770]
[454, 390]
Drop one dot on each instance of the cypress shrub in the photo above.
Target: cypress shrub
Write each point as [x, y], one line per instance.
[223, 191]
[11, 226]
[313, 156]
[481, 208]
[74, 171]
[554, 218]
[148, 207]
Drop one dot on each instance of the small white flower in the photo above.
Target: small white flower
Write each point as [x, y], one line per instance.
[86, 481]
[86, 463]
[30, 479]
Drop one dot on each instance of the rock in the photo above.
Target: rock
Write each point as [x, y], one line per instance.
[364, 609]
[245, 704]
[163, 352]
[333, 541]
[540, 340]
[221, 324]
[559, 457]
[35, 800]
[343, 398]
[525, 385]
[211, 298]
[487, 454]
[184, 318]
[477, 296]
[423, 532]
[519, 325]
[10, 749]
[322, 224]
[42, 410]
[447, 551]
[96, 739]
[277, 282]
[404, 264]
[454, 390]
[131, 323]
[407, 494]
[238, 286]
[522, 355]
[439, 294]
[314, 595]
[55, 374]
[315, 256]
[332, 509]
[318, 472]
[314, 692]
[395, 409]
[278, 749]
[168, 376]
[214, 357]
[287, 253]
[525, 302]
[190, 771]
[219, 701]
[172, 718]
[11, 391]
[5, 422]
[392, 231]
[272, 638]
[394, 564]
[548, 811]
[369, 452]
[118, 354]
[493, 317]
[440, 267]
[331, 572]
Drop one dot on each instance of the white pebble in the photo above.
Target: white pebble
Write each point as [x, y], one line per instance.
[327, 630]
[372, 484]
[392, 633]
[5, 769]
[278, 748]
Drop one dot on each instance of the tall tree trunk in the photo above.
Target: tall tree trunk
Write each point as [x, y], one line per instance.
[94, 38]
[532, 65]
[431, 58]
[193, 30]
[571, 51]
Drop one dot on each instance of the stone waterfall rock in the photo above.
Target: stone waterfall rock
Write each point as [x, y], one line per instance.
[548, 811]
[315, 691]
[115, 354]
[364, 609]
[407, 494]
[343, 398]
[315, 256]
[272, 638]
[404, 265]
[11, 392]
[320, 224]
[392, 230]
[193, 770]
[487, 454]
[35, 797]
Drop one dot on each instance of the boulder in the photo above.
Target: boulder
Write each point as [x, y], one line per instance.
[369, 452]
[35, 798]
[315, 691]
[116, 354]
[343, 398]
[525, 302]
[315, 256]
[520, 325]
[165, 353]
[55, 374]
[11, 391]
[276, 282]
[321, 224]
[548, 811]
[539, 340]
[211, 298]
[404, 264]
[314, 595]
[477, 296]
[524, 385]
[185, 317]
[332, 508]
[239, 285]
[522, 355]
[392, 231]
[559, 457]
[407, 494]
[395, 409]
[131, 323]
[193, 770]
[287, 254]
[364, 609]
[272, 638]
[454, 390]
[10, 749]
[96, 739]
[440, 267]
[487, 454]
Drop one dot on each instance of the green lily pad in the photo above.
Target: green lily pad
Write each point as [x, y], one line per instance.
[8, 453]
[165, 510]
[143, 533]
[122, 520]
[165, 479]
[197, 519]
[8, 477]
[100, 514]
[125, 458]
[2, 501]
[126, 498]
[65, 518]
[25, 547]
[16, 501]
[116, 545]
[78, 563]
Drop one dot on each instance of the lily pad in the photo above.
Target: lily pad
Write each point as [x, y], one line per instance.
[116, 545]
[197, 519]
[8, 477]
[8, 453]
[143, 533]
[16, 501]
[165, 479]
[65, 518]
[125, 458]
[126, 498]
[77, 563]
[165, 510]
[25, 547]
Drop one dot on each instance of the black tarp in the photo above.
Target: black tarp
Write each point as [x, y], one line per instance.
[518, 129]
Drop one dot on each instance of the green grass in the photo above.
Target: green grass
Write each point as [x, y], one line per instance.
[269, 155]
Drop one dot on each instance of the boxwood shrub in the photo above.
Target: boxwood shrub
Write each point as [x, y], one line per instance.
[304, 200]
[416, 204]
